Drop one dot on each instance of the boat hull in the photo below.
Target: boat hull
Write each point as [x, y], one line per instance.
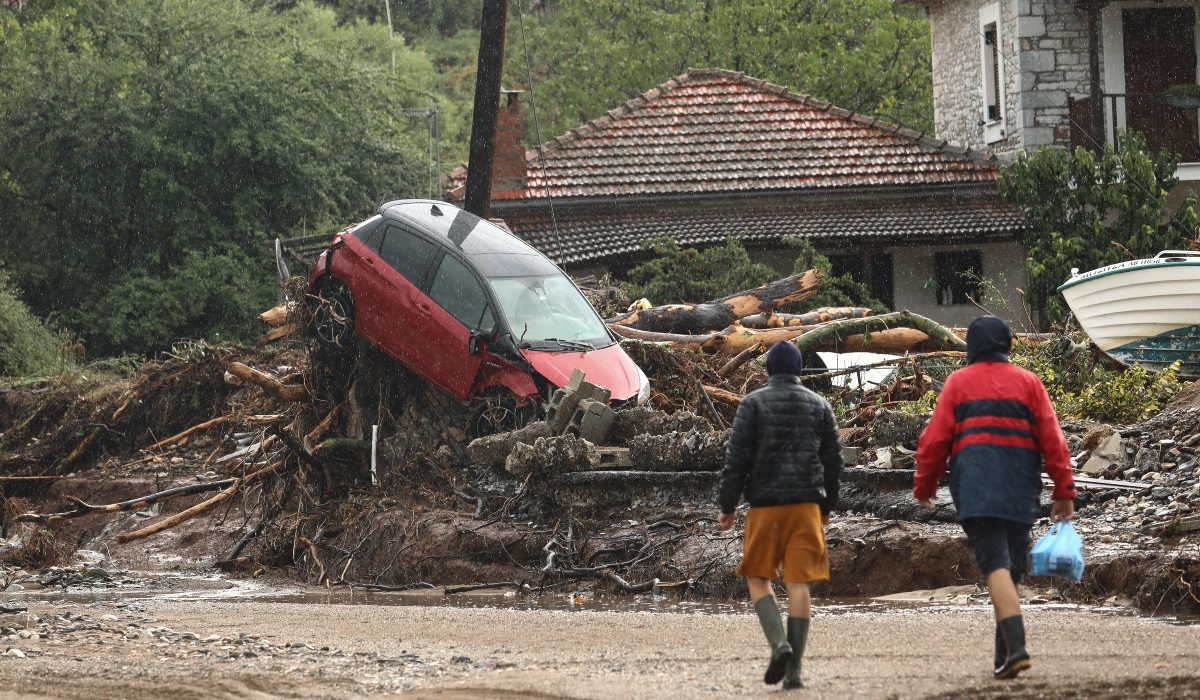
[1145, 312]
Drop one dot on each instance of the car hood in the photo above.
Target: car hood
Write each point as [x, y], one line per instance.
[608, 367]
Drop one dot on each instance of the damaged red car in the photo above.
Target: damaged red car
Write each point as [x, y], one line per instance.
[470, 308]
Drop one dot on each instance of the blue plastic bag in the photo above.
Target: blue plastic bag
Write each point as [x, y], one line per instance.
[1059, 553]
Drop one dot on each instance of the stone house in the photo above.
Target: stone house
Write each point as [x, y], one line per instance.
[1018, 74]
[712, 154]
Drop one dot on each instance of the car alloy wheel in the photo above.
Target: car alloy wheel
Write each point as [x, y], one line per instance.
[333, 319]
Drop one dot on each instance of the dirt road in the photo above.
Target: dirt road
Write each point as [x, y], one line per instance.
[344, 651]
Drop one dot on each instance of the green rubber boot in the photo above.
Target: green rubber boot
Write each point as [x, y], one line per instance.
[797, 629]
[772, 625]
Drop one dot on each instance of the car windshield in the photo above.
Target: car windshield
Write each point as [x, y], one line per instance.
[547, 312]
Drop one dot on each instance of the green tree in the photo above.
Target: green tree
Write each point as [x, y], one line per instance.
[150, 148]
[690, 276]
[841, 290]
[1086, 210]
[870, 56]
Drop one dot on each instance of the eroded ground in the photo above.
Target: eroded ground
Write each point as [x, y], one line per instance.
[233, 648]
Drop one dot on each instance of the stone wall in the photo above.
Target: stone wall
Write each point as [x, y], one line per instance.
[1046, 39]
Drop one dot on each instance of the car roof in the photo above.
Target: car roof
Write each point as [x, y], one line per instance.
[494, 251]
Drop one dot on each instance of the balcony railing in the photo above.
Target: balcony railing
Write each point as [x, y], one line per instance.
[1163, 126]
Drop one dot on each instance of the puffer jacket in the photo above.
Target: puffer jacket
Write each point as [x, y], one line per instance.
[784, 448]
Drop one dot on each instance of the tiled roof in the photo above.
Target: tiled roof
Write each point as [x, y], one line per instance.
[713, 131]
[595, 237]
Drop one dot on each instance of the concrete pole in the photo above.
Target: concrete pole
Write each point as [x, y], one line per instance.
[487, 105]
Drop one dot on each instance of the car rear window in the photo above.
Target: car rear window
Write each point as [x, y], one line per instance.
[407, 253]
[456, 290]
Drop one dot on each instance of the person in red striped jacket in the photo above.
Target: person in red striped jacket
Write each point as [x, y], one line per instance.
[994, 426]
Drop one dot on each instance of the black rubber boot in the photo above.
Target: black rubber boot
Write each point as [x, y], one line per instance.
[797, 630]
[1001, 649]
[1013, 629]
[781, 651]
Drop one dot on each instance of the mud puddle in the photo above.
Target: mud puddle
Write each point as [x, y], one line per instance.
[187, 587]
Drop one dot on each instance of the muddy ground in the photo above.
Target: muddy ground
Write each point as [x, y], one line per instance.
[227, 649]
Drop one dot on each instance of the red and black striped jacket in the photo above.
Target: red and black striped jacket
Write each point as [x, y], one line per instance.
[995, 425]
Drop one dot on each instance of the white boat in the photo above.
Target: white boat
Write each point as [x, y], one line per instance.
[1144, 312]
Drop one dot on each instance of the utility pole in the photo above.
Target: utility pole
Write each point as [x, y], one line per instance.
[387, 4]
[487, 105]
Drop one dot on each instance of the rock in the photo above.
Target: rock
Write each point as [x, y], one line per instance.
[1097, 435]
[109, 618]
[1146, 460]
[15, 653]
[897, 428]
[1075, 444]
[1106, 454]
[96, 573]
[493, 450]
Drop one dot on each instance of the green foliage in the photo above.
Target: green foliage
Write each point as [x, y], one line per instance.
[870, 56]
[27, 346]
[922, 406]
[150, 148]
[690, 276]
[1084, 210]
[842, 290]
[1184, 90]
[1090, 386]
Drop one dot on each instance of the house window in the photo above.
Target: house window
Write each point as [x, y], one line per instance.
[958, 274]
[847, 265]
[992, 71]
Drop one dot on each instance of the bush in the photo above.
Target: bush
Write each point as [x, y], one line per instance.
[27, 346]
[1089, 385]
[691, 276]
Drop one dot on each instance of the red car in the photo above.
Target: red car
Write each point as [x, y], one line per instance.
[469, 307]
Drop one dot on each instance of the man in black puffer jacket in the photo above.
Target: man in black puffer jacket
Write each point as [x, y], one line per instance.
[785, 453]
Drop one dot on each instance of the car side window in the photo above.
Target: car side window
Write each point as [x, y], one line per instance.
[371, 235]
[407, 253]
[455, 290]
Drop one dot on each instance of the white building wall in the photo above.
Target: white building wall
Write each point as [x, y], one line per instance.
[1003, 264]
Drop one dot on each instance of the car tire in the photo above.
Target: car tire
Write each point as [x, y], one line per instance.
[333, 316]
[499, 414]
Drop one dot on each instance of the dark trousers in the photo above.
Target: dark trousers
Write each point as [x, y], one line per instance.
[999, 544]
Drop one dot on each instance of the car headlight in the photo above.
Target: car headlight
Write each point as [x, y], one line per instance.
[643, 387]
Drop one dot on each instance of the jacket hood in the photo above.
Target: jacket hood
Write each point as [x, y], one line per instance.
[784, 358]
[988, 340]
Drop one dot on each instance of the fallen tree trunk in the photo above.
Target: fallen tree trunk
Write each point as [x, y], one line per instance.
[178, 518]
[689, 319]
[276, 334]
[276, 316]
[730, 341]
[722, 396]
[190, 431]
[825, 314]
[83, 509]
[871, 328]
[740, 359]
[270, 385]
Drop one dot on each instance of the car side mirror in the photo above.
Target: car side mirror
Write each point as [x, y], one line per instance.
[473, 342]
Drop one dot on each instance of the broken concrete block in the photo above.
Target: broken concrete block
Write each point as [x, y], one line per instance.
[678, 452]
[552, 455]
[642, 421]
[1107, 453]
[592, 421]
[493, 450]
[1146, 460]
[564, 400]
[897, 428]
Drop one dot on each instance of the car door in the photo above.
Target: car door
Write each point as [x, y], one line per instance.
[456, 305]
[387, 288]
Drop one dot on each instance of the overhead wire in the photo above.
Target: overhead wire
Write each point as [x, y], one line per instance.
[1090, 137]
[537, 131]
